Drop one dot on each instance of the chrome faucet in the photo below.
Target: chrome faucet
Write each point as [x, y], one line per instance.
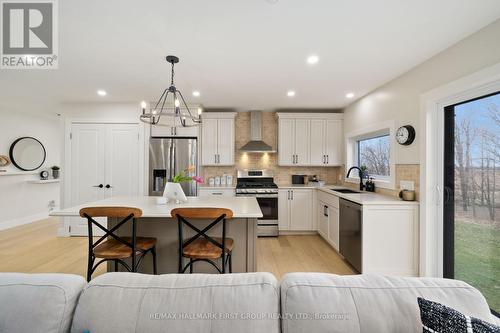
[361, 174]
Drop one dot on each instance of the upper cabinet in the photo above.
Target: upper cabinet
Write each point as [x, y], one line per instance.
[310, 139]
[217, 138]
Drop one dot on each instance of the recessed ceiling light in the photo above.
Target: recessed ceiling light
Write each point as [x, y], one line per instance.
[196, 93]
[290, 93]
[312, 59]
[101, 92]
[349, 95]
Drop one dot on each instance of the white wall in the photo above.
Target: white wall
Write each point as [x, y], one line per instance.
[399, 100]
[20, 201]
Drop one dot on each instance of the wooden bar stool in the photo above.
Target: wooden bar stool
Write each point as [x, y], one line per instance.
[202, 247]
[117, 248]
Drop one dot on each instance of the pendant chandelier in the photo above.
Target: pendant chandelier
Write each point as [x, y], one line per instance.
[181, 114]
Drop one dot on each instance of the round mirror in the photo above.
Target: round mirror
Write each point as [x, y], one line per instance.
[27, 153]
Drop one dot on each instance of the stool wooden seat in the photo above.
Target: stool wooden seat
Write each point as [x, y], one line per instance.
[202, 247]
[112, 247]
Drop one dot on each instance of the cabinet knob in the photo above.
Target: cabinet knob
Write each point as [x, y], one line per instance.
[108, 186]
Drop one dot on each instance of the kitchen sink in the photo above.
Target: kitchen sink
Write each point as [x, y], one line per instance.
[344, 190]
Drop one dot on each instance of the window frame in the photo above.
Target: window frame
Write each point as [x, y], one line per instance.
[371, 132]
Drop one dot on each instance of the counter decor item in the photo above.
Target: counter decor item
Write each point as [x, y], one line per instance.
[55, 172]
[217, 181]
[211, 181]
[223, 180]
[229, 180]
[173, 189]
[407, 195]
[4, 161]
[370, 185]
[44, 175]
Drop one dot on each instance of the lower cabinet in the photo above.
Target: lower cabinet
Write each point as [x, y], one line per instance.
[323, 222]
[295, 209]
[333, 227]
[328, 218]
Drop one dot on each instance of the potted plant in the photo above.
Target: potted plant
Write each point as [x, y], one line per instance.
[55, 171]
[173, 189]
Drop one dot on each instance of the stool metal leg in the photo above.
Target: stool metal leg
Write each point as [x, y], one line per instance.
[155, 267]
[190, 266]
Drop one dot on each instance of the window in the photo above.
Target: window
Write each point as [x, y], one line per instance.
[374, 154]
[373, 147]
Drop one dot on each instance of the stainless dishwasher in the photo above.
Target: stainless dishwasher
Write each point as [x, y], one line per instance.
[350, 227]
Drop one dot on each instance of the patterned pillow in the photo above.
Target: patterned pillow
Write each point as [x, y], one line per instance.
[437, 318]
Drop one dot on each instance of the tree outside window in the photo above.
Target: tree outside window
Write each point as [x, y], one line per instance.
[374, 154]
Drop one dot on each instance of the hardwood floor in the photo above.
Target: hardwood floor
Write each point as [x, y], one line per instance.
[309, 253]
[35, 248]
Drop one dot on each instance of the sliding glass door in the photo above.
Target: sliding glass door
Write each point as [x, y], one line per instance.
[472, 195]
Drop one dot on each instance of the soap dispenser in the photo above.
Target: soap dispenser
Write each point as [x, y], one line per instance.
[370, 185]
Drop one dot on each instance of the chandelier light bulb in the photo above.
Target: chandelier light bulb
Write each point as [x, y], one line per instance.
[200, 110]
[177, 103]
[143, 105]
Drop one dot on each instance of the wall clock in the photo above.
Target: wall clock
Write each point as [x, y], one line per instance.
[405, 135]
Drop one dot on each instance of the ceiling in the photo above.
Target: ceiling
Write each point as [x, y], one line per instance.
[238, 53]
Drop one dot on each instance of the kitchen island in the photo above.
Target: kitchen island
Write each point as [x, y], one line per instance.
[156, 221]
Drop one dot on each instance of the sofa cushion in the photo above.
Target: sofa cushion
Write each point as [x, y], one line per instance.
[127, 302]
[315, 302]
[38, 302]
[437, 317]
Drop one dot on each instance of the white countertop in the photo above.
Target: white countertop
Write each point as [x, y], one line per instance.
[303, 186]
[367, 198]
[242, 207]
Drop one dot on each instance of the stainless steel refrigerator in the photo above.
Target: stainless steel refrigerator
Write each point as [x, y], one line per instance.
[167, 157]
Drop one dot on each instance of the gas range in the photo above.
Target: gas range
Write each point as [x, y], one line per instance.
[256, 183]
[260, 184]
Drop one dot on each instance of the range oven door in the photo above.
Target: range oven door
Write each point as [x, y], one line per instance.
[269, 208]
[267, 226]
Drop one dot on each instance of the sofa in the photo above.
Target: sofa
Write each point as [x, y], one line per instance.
[250, 302]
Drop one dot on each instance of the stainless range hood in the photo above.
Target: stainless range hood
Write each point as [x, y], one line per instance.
[256, 145]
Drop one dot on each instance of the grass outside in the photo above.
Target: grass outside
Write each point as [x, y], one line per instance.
[477, 258]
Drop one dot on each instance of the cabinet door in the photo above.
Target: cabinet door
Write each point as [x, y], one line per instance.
[333, 143]
[283, 209]
[209, 142]
[317, 143]
[286, 144]
[301, 210]
[333, 228]
[225, 142]
[323, 219]
[302, 139]
[122, 163]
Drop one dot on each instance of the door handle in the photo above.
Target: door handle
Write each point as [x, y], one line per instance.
[215, 158]
[288, 195]
[100, 186]
[327, 159]
[324, 160]
[108, 186]
[292, 194]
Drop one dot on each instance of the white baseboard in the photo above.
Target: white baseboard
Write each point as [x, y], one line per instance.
[23, 220]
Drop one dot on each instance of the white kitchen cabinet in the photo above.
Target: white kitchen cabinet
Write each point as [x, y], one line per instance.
[295, 209]
[317, 144]
[333, 227]
[310, 139]
[323, 221]
[286, 149]
[216, 192]
[217, 139]
[333, 142]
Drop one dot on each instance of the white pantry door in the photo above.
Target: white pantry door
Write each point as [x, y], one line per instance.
[104, 163]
